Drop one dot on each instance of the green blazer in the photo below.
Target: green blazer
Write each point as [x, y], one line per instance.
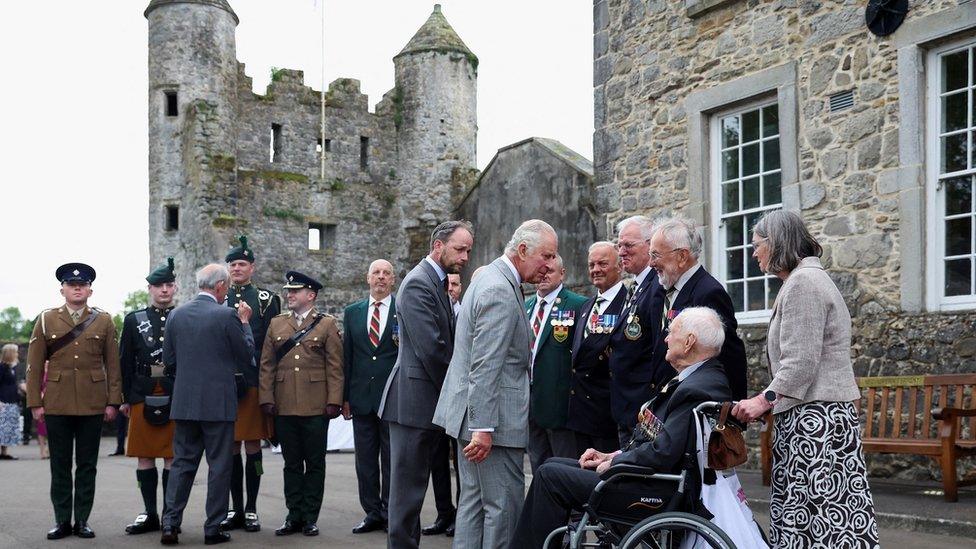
[552, 371]
[366, 367]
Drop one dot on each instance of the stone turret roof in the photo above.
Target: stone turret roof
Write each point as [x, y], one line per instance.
[436, 35]
[222, 4]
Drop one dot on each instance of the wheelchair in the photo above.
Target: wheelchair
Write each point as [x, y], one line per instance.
[633, 507]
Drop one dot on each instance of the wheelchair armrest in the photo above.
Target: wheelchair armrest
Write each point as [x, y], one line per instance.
[627, 470]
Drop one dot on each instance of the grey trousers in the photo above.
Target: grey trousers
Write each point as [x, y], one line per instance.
[190, 440]
[412, 452]
[492, 493]
[547, 443]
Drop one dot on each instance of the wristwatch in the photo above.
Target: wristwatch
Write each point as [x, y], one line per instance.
[770, 397]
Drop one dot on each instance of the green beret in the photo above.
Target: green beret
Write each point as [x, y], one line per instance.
[162, 274]
[240, 252]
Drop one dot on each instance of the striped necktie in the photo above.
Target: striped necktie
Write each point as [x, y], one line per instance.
[537, 322]
[668, 297]
[594, 316]
[374, 325]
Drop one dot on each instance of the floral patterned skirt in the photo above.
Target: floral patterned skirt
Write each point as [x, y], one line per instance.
[9, 424]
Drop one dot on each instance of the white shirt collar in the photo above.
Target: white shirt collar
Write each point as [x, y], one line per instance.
[683, 279]
[639, 279]
[683, 374]
[302, 316]
[385, 301]
[437, 268]
[518, 279]
[551, 296]
[210, 295]
[611, 292]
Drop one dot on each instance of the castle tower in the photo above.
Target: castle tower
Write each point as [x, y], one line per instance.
[192, 98]
[437, 125]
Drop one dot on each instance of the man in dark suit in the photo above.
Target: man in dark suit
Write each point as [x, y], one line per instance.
[683, 282]
[369, 344]
[563, 485]
[426, 321]
[554, 314]
[632, 381]
[588, 413]
[206, 345]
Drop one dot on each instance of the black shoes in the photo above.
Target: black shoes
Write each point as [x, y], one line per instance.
[7, 456]
[219, 537]
[60, 531]
[143, 523]
[440, 526]
[170, 535]
[233, 521]
[82, 530]
[450, 531]
[251, 523]
[290, 527]
[369, 524]
[310, 529]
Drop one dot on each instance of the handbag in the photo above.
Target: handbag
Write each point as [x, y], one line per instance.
[726, 447]
[156, 409]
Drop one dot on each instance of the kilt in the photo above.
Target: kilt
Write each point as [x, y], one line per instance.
[145, 440]
[251, 422]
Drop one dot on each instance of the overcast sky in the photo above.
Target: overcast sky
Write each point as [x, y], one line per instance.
[73, 109]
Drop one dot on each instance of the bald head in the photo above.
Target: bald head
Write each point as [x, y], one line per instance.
[380, 278]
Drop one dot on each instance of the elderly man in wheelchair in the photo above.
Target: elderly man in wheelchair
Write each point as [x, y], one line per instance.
[649, 494]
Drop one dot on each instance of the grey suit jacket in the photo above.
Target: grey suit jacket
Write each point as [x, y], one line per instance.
[426, 322]
[487, 384]
[809, 340]
[205, 346]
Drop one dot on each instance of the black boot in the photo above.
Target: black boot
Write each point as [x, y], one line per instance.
[252, 473]
[149, 521]
[235, 518]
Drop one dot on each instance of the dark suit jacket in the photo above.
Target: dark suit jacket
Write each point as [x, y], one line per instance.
[632, 379]
[589, 399]
[367, 368]
[664, 454]
[205, 346]
[549, 393]
[702, 290]
[426, 321]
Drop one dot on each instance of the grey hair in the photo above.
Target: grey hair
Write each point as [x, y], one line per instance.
[529, 233]
[644, 223]
[680, 232]
[444, 231]
[212, 274]
[558, 263]
[788, 239]
[707, 326]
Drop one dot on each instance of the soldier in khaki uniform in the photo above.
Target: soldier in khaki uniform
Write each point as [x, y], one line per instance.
[301, 386]
[84, 387]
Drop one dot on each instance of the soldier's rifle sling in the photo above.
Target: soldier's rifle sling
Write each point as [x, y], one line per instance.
[72, 335]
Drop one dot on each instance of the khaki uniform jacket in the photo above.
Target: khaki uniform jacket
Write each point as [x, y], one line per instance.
[310, 375]
[83, 377]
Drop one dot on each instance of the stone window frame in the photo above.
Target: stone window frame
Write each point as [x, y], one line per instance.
[913, 41]
[697, 8]
[779, 82]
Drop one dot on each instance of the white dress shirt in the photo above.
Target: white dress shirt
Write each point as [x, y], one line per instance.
[550, 299]
[683, 279]
[639, 279]
[511, 266]
[384, 312]
[608, 297]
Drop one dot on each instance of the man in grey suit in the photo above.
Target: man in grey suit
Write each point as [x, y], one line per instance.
[484, 402]
[205, 345]
[426, 322]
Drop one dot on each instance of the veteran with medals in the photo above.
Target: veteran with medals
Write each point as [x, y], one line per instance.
[301, 388]
[78, 345]
[553, 314]
[147, 393]
[251, 426]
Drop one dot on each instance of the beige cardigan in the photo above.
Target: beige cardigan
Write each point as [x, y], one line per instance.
[809, 340]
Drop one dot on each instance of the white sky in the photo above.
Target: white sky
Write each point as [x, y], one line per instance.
[73, 109]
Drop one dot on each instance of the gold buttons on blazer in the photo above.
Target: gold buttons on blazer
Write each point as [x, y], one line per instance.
[296, 368]
[298, 357]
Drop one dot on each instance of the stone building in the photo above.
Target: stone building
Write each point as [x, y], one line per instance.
[723, 109]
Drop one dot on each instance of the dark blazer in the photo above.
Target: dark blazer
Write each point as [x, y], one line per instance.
[589, 398]
[206, 344]
[366, 367]
[702, 290]
[632, 379]
[551, 373]
[664, 454]
[426, 321]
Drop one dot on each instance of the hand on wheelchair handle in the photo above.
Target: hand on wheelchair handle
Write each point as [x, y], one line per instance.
[751, 409]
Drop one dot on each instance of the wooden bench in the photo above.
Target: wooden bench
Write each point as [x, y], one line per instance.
[897, 416]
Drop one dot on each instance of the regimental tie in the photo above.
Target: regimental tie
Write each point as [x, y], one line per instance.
[75, 316]
[668, 297]
[594, 316]
[537, 322]
[374, 325]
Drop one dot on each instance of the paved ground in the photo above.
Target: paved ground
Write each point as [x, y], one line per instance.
[25, 510]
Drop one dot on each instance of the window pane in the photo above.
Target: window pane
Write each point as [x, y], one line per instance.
[730, 197]
[954, 112]
[772, 189]
[770, 121]
[733, 231]
[771, 155]
[757, 295]
[954, 71]
[733, 264]
[953, 153]
[774, 286]
[730, 131]
[752, 264]
[750, 159]
[751, 220]
[958, 275]
[735, 292]
[750, 126]
[750, 193]
[730, 164]
[958, 239]
[958, 195]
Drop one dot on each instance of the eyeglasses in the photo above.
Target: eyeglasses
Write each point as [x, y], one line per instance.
[630, 245]
[756, 243]
[656, 256]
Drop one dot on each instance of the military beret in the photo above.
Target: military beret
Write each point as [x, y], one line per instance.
[162, 274]
[297, 280]
[75, 272]
[240, 252]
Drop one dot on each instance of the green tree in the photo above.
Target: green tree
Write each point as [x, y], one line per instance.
[14, 327]
[136, 300]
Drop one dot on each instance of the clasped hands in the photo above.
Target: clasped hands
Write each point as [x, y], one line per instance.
[594, 459]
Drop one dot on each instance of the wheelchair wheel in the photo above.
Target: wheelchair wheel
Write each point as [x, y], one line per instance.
[669, 530]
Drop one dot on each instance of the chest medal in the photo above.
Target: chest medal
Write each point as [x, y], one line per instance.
[633, 330]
